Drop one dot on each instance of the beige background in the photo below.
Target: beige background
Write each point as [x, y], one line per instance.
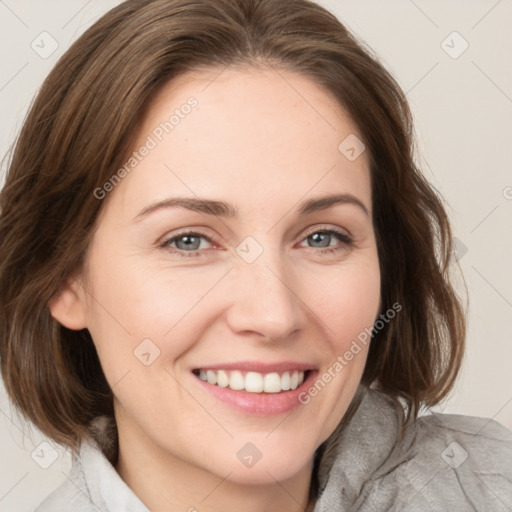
[463, 112]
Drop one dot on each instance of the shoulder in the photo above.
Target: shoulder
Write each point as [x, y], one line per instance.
[72, 494]
[93, 483]
[447, 460]
[438, 462]
[483, 442]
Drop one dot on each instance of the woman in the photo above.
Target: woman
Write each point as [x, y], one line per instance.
[224, 281]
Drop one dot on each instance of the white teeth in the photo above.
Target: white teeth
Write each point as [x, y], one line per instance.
[211, 377]
[253, 382]
[222, 379]
[236, 380]
[294, 380]
[272, 383]
[285, 381]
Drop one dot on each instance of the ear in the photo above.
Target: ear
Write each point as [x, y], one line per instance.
[67, 306]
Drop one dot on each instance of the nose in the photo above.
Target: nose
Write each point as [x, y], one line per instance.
[265, 299]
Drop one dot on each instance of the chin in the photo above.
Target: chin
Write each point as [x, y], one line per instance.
[276, 469]
[259, 461]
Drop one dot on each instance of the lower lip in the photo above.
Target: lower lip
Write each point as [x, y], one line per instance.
[259, 404]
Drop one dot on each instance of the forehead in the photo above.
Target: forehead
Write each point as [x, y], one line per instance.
[264, 135]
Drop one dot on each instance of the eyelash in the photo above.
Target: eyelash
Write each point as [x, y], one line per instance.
[346, 240]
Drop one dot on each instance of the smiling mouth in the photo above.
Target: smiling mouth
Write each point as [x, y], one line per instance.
[253, 382]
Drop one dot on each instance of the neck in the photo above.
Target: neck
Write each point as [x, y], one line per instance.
[165, 482]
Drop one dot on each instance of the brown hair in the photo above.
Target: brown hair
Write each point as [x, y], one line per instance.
[79, 131]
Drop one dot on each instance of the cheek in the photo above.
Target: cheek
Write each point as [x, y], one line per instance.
[131, 301]
[347, 300]
[347, 308]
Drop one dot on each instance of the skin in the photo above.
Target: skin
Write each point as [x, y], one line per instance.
[177, 443]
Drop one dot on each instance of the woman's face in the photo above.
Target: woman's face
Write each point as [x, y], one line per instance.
[261, 289]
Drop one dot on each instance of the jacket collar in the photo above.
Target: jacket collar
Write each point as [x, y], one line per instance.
[362, 452]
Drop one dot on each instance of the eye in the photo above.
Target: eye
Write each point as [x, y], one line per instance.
[322, 239]
[187, 244]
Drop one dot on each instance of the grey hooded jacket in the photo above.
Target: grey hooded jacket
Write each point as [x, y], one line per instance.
[443, 463]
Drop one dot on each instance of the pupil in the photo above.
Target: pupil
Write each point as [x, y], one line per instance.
[317, 236]
[188, 242]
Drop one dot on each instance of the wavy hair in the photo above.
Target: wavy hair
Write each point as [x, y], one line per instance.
[79, 130]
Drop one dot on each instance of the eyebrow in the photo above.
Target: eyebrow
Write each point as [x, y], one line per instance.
[223, 209]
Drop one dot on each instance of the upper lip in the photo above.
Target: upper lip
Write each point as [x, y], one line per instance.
[258, 366]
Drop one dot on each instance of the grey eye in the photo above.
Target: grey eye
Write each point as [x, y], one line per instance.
[188, 242]
[320, 239]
